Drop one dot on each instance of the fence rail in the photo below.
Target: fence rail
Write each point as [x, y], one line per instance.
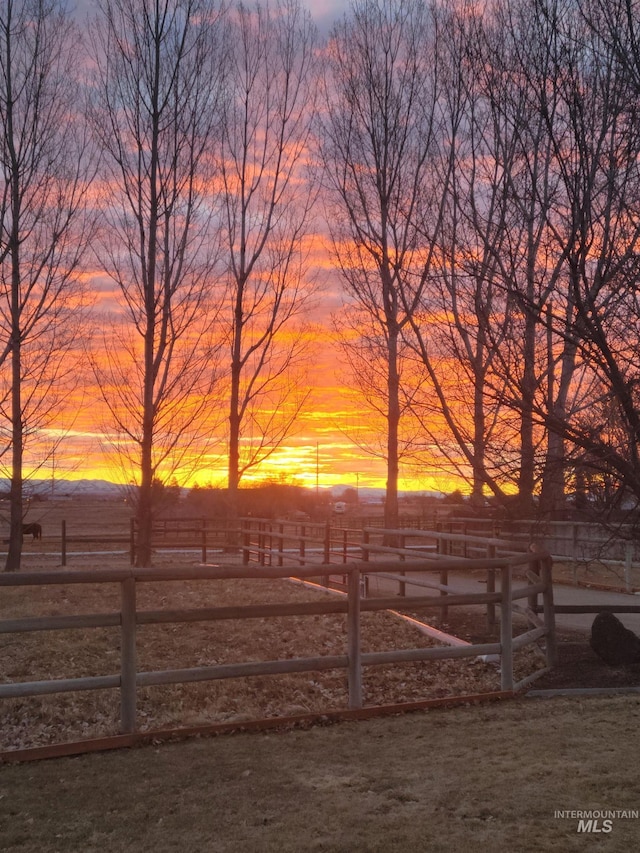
[199, 534]
[129, 617]
[268, 543]
[578, 542]
[340, 538]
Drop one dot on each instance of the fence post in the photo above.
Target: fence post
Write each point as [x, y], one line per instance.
[204, 540]
[326, 557]
[281, 546]
[549, 612]
[246, 541]
[365, 550]
[533, 599]
[63, 546]
[302, 545]
[506, 631]
[402, 587]
[574, 552]
[491, 587]
[353, 640]
[128, 656]
[443, 548]
[132, 541]
[628, 559]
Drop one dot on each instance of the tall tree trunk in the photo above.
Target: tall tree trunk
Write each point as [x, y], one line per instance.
[152, 347]
[479, 449]
[14, 555]
[552, 495]
[393, 423]
[235, 426]
[526, 478]
[144, 513]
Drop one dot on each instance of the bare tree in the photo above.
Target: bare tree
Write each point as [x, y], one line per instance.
[597, 140]
[43, 227]
[378, 130]
[517, 52]
[155, 116]
[498, 268]
[267, 199]
[572, 270]
[464, 316]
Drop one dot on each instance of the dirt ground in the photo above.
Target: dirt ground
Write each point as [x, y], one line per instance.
[38, 721]
[578, 665]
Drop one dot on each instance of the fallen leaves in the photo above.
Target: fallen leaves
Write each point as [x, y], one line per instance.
[62, 654]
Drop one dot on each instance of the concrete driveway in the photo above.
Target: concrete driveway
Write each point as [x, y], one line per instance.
[579, 595]
[562, 594]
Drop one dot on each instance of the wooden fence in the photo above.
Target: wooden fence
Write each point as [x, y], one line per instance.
[203, 535]
[272, 543]
[278, 543]
[576, 542]
[200, 534]
[537, 581]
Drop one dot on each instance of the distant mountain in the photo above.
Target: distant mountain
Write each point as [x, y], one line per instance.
[106, 489]
[68, 488]
[366, 492]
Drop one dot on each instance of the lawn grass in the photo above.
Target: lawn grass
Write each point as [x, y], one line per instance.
[438, 781]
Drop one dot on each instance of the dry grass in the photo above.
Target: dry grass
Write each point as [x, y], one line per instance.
[443, 781]
[88, 516]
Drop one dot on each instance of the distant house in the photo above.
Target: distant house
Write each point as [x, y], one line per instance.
[340, 507]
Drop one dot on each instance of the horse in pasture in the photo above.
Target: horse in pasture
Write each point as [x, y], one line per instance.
[33, 528]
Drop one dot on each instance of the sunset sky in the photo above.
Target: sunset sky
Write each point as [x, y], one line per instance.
[324, 448]
[321, 450]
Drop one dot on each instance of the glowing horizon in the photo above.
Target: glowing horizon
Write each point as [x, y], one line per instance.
[322, 451]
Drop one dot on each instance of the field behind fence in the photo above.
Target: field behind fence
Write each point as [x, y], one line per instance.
[583, 552]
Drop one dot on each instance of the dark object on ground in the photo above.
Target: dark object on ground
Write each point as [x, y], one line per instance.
[34, 529]
[611, 641]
